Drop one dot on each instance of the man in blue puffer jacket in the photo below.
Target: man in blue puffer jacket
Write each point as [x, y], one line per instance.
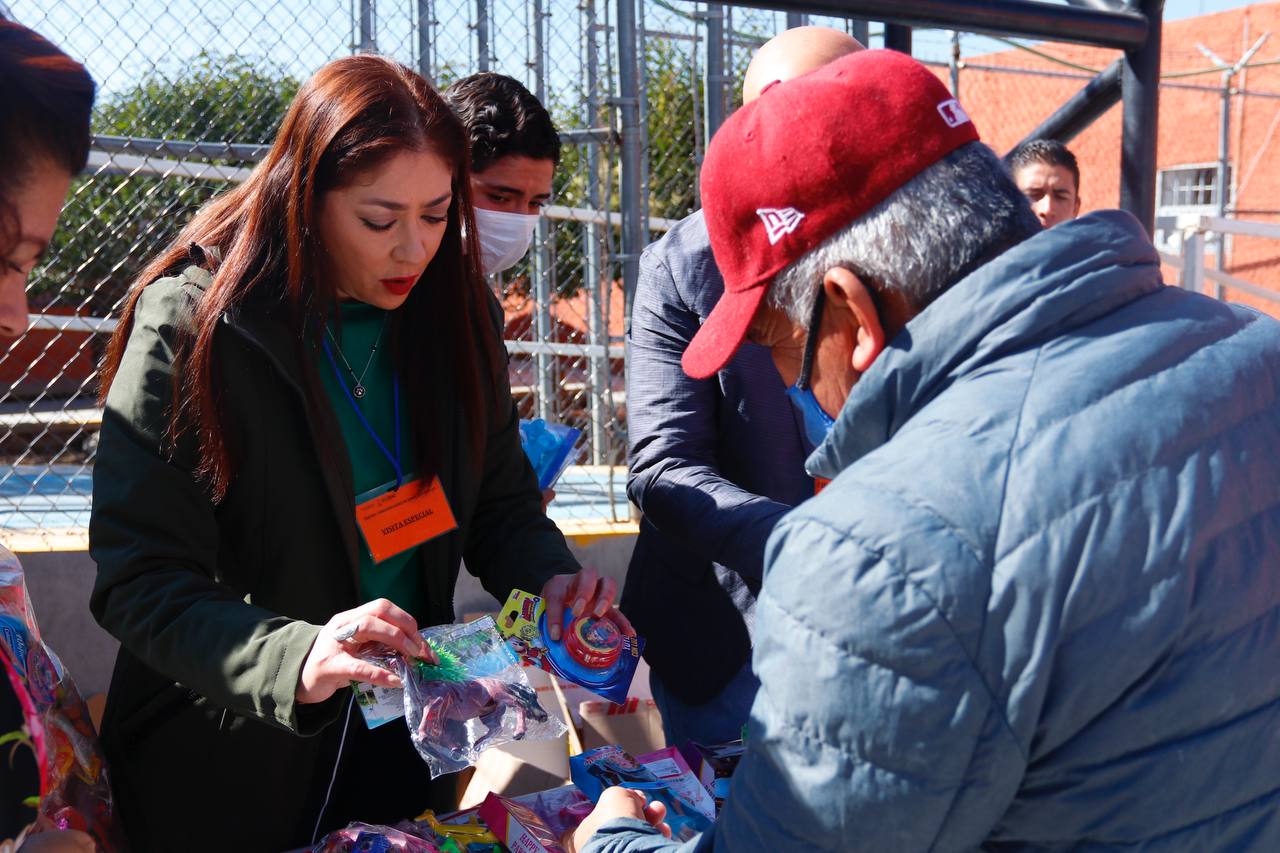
[1038, 607]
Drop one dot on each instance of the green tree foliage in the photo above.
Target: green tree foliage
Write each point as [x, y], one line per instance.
[672, 83]
[114, 224]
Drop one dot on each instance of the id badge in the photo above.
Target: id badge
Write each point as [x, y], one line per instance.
[394, 520]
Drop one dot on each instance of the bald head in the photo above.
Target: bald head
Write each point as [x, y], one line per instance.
[792, 53]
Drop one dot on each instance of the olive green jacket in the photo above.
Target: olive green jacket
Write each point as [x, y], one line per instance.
[216, 606]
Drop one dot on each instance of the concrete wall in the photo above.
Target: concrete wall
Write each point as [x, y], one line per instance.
[60, 583]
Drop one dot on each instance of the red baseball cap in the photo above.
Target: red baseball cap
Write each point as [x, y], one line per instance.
[804, 160]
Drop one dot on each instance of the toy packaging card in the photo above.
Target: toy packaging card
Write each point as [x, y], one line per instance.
[714, 765]
[591, 653]
[670, 767]
[518, 827]
[476, 697]
[378, 705]
[549, 448]
[597, 769]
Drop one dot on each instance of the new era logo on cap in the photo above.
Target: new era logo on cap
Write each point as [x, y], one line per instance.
[779, 221]
[807, 158]
[952, 113]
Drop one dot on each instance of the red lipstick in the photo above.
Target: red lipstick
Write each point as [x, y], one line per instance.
[400, 286]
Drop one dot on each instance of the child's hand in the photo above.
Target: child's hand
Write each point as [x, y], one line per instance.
[615, 803]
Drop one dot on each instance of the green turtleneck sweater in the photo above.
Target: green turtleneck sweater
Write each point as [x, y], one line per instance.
[396, 578]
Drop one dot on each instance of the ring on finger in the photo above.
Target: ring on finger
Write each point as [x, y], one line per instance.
[342, 633]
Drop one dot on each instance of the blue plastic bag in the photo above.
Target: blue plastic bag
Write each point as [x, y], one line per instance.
[549, 448]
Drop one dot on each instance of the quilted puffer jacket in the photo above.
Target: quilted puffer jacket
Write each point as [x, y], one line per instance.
[1038, 608]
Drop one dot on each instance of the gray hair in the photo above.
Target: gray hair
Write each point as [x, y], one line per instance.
[932, 231]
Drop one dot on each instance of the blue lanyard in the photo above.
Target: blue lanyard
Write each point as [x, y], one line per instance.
[395, 396]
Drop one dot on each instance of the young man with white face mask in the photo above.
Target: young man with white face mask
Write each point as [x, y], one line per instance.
[514, 153]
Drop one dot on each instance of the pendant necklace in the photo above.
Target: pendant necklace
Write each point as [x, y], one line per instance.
[358, 391]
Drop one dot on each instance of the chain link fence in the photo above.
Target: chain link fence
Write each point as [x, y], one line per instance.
[191, 93]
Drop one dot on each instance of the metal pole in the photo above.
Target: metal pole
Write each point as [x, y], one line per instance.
[1081, 109]
[1224, 152]
[955, 63]
[593, 274]
[544, 363]
[1224, 125]
[368, 31]
[482, 35]
[1141, 89]
[1125, 29]
[632, 168]
[797, 19]
[1193, 262]
[860, 30]
[642, 106]
[713, 86]
[426, 64]
[897, 37]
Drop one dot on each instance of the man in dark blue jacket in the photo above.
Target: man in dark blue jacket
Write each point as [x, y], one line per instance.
[714, 464]
[1038, 606]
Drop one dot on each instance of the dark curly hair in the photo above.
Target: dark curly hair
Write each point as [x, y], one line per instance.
[1051, 152]
[46, 99]
[502, 118]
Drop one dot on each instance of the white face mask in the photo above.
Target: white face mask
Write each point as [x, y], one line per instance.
[504, 238]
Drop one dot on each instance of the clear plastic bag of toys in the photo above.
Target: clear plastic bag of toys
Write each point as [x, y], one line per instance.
[370, 838]
[74, 789]
[476, 697]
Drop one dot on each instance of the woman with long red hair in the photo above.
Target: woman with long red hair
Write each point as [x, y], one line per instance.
[308, 426]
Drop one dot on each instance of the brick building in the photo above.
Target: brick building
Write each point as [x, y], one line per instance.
[1006, 105]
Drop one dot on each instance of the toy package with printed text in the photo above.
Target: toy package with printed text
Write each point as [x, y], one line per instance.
[75, 792]
[607, 766]
[592, 652]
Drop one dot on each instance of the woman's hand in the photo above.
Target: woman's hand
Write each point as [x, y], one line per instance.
[615, 803]
[585, 592]
[332, 664]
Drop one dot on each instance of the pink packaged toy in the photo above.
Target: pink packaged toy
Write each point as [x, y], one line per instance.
[74, 789]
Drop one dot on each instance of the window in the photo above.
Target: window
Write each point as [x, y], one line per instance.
[1191, 189]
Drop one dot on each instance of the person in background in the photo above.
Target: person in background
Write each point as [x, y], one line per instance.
[514, 153]
[1038, 606]
[46, 100]
[714, 463]
[1046, 172]
[308, 426]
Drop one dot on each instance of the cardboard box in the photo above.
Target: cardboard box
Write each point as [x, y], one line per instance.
[514, 769]
[635, 725]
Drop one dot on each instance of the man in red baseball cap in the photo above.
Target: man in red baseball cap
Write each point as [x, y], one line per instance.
[1041, 584]
[712, 463]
